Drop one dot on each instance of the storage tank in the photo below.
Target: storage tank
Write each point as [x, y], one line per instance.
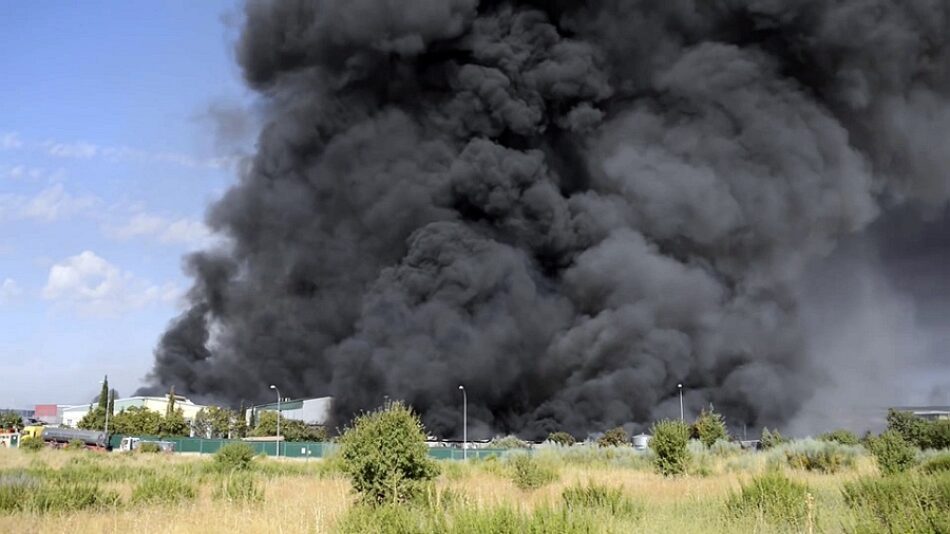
[92, 438]
[641, 442]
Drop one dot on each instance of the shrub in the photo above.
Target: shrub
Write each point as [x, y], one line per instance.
[596, 497]
[148, 447]
[709, 428]
[75, 445]
[508, 442]
[561, 438]
[670, 439]
[910, 427]
[234, 457]
[385, 455]
[821, 456]
[394, 519]
[725, 449]
[24, 493]
[936, 464]
[938, 435]
[905, 503]
[772, 498]
[162, 490]
[529, 473]
[615, 437]
[844, 437]
[71, 497]
[771, 439]
[32, 444]
[892, 452]
[238, 487]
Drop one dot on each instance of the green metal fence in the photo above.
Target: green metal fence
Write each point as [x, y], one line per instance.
[295, 449]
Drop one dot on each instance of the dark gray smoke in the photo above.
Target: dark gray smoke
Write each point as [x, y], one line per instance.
[568, 207]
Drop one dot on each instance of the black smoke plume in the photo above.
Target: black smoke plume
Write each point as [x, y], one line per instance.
[568, 207]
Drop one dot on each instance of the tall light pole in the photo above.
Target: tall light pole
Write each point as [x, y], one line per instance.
[464, 423]
[272, 386]
[682, 414]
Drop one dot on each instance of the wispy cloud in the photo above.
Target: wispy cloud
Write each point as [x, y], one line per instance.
[176, 231]
[87, 150]
[10, 141]
[91, 285]
[50, 204]
[9, 290]
[26, 172]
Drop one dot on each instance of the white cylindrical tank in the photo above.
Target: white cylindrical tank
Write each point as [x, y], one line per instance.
[641, 441]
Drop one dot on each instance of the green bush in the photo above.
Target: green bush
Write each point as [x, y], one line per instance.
[904, 503]
[709, 428]
[820, 456]
[596, 497]
[148, 447]
[561, 438]
[396, 519]
[75, 445]
[936, 464]
[162, 490]
[669, 444]
[529, 473]
[892, 452]
[20, 492]
[771, 439]
[385, 455]
[615, 437]
[772, 498]
[234, 457]
[844, 437]
[238, 487]
[508, 442]
[32, 444]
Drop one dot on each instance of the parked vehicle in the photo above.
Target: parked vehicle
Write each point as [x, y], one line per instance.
[61, 436]
[130, 443]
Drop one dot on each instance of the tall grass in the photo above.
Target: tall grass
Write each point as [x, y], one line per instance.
[774, 499]
[906, 503]
[162, 490]
[814, 455]
[530, 473]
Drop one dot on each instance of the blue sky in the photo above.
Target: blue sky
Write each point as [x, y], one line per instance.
[109, 155]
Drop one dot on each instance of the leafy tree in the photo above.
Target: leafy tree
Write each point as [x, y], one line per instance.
[10, 420]
[561, 438]
[508, 442]
[290, 430]
[912, 428]
[104, 394]
[214, 422]
[893, 453]
[95, 419]
[669, 444]
[771, 438]
[615, 437]
[939, 434]
[173, 424]
[385, 455]
[844, 437]
[138, 421]
[709, 427]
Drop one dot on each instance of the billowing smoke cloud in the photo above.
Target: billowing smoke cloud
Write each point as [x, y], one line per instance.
[568, 207]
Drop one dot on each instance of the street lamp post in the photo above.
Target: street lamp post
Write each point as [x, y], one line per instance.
[272, 386]
[682, 414]
[464, 423]
[108, 399]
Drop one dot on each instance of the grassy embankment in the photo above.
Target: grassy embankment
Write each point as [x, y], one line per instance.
[561, 490]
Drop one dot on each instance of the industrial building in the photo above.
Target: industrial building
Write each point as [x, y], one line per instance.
[310, 411]
[71, 415]
[930, 413]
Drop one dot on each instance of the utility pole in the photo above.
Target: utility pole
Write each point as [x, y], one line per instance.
[682, 413]
[272, 386]
[464, 423]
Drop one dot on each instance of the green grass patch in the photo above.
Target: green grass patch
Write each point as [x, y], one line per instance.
[907, 503]
[593, 497]
[162, 490]
[774, 499]
[530, 473]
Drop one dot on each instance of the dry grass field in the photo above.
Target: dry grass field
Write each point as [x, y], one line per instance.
[304, 497]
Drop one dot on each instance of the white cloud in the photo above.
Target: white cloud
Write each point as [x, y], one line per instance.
[180, 231]
[9, 290]
[50, 204]
[10, 141]
[25, 172]
[92, 285]
[80, 149]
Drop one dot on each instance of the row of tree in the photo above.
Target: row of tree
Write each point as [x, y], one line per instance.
[212, 422]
